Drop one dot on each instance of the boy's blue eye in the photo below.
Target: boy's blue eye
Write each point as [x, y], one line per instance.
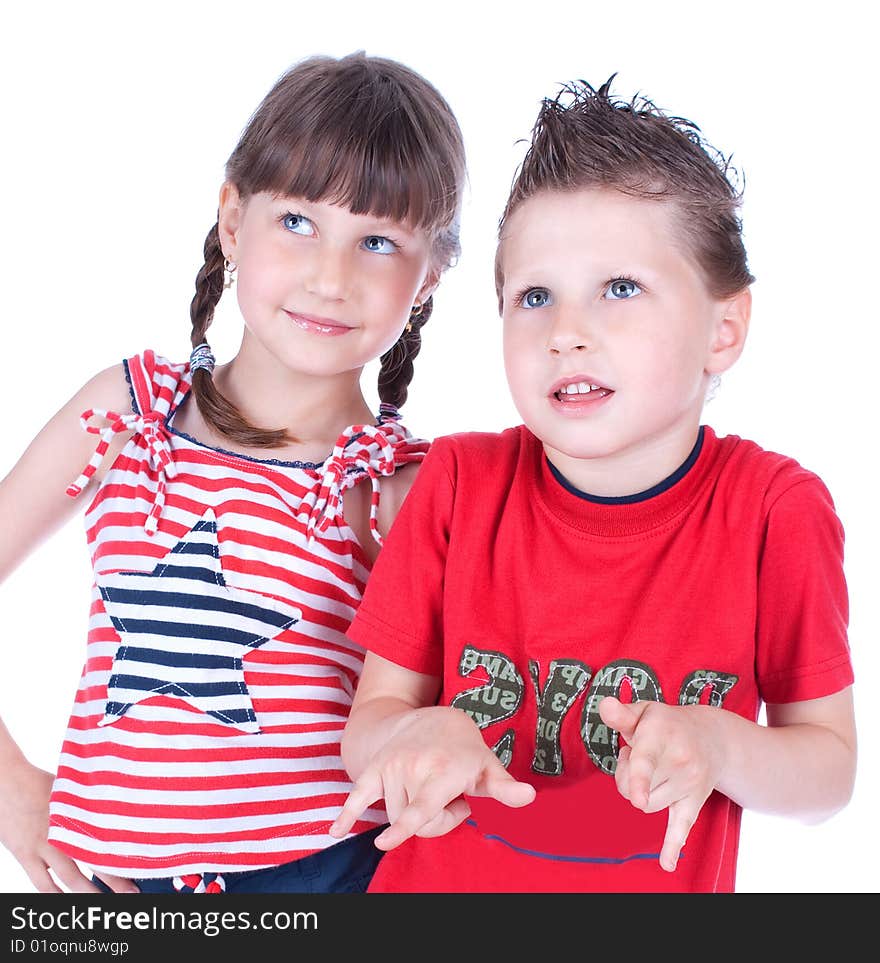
[298, 224]
[535, 298]
[379, 245]
[620, 289]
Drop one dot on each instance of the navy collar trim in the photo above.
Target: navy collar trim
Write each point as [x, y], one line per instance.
[652, 492]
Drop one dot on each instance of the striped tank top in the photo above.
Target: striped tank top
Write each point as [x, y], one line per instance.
[205, 731]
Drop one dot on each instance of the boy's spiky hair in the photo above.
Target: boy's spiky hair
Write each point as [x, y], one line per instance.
[590, 138]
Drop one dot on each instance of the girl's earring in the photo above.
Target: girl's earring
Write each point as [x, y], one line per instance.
[229, 268]
[414, 313]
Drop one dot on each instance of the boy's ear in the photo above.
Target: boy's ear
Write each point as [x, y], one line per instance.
[229, 219]
[731, 328]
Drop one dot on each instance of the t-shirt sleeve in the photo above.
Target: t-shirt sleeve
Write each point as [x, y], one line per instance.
[401, 614]
[803, 611]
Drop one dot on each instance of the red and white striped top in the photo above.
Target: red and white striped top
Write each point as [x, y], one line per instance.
[205, 732]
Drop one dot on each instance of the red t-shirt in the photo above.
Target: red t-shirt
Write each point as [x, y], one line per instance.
[533, 603]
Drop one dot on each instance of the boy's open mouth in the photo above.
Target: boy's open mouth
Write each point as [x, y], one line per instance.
[578, 392]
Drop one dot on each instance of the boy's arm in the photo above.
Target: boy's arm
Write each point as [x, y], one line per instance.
[802, 764]
[386, 695]
[419, 757]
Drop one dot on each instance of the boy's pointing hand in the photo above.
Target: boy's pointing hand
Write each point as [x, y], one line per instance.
[672, 760]
[424, 772]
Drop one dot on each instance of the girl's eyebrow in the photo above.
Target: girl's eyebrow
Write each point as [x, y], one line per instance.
[396, 227]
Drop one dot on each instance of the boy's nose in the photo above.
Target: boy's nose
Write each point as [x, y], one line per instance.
[570, 332]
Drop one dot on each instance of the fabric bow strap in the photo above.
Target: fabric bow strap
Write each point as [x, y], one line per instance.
[359, 451]
[152, 427]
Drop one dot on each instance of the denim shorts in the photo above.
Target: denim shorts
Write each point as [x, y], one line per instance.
[345, 867]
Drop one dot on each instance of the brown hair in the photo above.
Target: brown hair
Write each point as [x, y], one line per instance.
[362, 131]
[589, 138]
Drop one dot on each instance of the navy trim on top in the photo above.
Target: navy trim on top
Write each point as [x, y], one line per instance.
[313, 465]
[655, 490]
[135, 408]
[234, 454]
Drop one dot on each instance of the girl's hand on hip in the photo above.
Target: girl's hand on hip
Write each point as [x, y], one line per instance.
[24, 830]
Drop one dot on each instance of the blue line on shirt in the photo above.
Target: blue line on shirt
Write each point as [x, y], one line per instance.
[566, 859]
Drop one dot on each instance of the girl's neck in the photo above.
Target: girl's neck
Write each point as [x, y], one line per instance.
[312, 408]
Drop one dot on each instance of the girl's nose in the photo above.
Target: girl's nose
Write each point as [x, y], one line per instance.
[329, 274]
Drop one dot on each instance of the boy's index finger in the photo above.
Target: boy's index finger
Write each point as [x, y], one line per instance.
[367, 790]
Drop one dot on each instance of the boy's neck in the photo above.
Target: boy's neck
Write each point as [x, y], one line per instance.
[630, 471]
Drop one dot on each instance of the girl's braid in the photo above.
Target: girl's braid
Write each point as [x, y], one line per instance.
[216, 409]
[397, 363]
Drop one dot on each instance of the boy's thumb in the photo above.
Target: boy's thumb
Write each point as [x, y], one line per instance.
[620, 716]
[507, 790]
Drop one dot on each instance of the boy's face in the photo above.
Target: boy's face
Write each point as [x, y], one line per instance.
[610, 335]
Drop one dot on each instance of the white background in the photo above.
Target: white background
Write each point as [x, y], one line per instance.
[116, 123]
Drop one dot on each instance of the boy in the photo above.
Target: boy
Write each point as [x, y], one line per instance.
[574, 623]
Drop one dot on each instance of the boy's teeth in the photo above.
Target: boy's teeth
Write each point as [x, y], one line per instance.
[580, 388]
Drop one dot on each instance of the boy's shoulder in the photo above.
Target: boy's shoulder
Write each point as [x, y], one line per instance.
[483, 450]
[764, 471]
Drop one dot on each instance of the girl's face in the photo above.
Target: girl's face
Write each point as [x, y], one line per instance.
[610, 334]
[323, 290]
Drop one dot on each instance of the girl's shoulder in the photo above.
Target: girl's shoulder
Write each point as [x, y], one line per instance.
[155, 383]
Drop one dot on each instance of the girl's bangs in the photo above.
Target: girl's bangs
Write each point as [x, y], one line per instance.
[369, 173]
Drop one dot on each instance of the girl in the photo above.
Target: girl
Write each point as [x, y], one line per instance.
[228, 519]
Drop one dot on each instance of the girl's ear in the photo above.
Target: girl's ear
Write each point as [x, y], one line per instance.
[429, 286]
[229, 219]
[731, 328]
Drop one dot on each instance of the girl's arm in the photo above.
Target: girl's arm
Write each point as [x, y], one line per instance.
[419, 757]
[33, 505]
[801, 764]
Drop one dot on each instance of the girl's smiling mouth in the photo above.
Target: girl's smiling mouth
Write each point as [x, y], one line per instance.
[317, 325]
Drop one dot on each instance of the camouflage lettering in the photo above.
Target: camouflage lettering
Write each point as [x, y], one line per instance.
[597, 738]
[566, 679]
[498, 699]
[718, 683]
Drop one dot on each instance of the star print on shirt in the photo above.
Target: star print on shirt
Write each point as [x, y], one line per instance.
[184, 631]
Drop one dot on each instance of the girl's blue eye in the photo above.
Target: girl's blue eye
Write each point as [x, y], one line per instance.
[535, 298]
[298, 224]
[621, 289]
[379, 245]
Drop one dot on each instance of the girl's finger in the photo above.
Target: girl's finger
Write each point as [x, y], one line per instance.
[38, 874]
[69, 875]
[119, 884]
